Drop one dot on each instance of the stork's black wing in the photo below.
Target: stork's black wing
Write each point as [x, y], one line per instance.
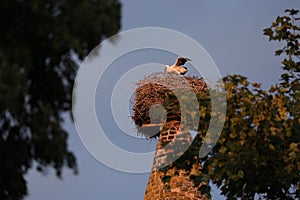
[181, 61]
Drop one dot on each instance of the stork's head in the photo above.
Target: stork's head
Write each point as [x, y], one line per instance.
[166, 68]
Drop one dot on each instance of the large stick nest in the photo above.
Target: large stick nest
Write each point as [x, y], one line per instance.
[158, 89]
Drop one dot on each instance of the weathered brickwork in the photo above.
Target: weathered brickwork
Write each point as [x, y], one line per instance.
[178, 185]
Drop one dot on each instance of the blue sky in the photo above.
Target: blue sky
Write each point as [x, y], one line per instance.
[230, 31]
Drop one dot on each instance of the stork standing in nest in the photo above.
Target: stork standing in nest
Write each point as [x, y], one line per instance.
[178, 68]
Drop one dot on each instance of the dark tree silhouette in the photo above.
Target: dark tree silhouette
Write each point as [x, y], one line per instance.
[37, 70]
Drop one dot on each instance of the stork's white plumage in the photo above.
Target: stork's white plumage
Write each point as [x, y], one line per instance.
[177, 68]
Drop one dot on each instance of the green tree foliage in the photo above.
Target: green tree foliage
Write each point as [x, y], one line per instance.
[259, 148]
[37, 70]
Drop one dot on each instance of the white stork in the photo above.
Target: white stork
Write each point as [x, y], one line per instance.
[177, 68]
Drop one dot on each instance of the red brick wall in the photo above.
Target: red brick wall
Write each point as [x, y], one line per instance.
[174, 184]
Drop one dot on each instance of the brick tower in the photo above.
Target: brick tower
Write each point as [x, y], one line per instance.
[173, 183]
[176, 171]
